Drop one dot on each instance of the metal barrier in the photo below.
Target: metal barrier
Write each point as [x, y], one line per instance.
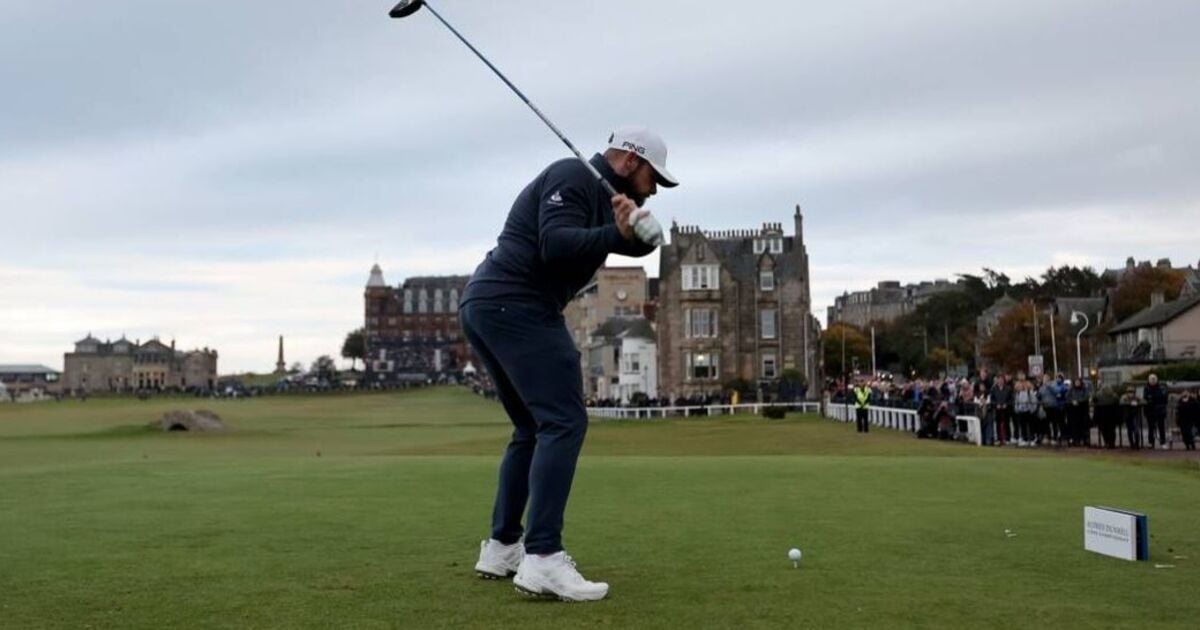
[901, 419]
[647, 413]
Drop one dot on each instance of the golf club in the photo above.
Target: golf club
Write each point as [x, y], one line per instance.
[407, 7]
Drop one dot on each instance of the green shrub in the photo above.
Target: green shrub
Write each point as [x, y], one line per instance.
[774, 413]
[1173, 372]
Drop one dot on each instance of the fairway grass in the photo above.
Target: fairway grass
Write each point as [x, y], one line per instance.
[366, 511]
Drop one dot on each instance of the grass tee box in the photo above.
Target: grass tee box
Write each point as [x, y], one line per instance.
[366, 511]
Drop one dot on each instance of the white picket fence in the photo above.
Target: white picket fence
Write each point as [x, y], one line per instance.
[883, 417]
[900, 419]
[647, 413]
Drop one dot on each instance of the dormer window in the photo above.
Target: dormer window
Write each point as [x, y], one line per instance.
[773, 245]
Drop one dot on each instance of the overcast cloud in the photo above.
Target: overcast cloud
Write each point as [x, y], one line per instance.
[226, 172]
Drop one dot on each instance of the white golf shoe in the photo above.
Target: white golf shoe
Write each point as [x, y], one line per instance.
[555, 577]
[497, 560]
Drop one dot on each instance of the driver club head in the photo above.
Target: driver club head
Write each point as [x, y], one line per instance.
[405, 8]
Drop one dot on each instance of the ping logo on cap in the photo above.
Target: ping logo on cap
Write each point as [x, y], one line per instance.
[640, 150]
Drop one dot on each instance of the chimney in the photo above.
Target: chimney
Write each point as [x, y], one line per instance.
[1157, 298]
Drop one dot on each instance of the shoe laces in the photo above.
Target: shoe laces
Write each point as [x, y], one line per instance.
[571, 570]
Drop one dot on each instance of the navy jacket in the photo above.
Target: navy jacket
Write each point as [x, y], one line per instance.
[559, 232]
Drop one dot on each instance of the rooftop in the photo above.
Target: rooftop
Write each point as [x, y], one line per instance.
[1154, 316]
[26, 369]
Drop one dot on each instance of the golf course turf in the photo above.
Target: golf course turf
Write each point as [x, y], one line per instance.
[366, 511]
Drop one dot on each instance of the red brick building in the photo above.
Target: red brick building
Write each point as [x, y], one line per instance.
[412, 331]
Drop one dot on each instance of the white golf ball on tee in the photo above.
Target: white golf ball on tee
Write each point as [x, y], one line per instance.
[794, 555]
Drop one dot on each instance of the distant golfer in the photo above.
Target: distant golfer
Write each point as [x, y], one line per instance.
[560, 230]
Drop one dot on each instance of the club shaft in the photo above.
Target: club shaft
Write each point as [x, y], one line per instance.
[595, 173]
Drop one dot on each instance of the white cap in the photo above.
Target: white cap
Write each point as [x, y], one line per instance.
[648, 146]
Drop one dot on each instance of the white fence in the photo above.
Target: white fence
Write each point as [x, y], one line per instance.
[645, 413]
[901, 419]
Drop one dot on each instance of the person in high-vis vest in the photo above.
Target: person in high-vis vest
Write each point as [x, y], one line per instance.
[862, 397]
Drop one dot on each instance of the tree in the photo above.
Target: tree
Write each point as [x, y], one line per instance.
[937, 361]
[324, 367]
[793, 376]
[296, 368]
[906, 343]
[1068, 281]
[858, 349]
[739, 385]
[1137, 285]
[355, 347]
[792, 384]
[1011, 342]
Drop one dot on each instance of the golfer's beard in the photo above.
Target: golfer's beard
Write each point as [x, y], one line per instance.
[638, 199]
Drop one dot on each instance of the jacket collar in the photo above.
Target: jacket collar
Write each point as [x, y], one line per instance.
[618, 182]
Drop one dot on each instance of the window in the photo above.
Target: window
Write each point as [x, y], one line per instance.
[423, 301]
[625, 311]
[701, 277]
[408, 301]
[768, 366]
[773, 245]
[453, 299]
[437, 301]
[702, 365]
[632, 363]
[767, 317]
[700, 323]
[766, 279]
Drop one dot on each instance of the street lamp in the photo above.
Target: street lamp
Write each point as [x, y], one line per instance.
[1075, 315]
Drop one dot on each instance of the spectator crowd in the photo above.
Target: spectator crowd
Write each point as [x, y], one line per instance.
[1026, 411]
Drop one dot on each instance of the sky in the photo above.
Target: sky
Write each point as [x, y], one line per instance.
[221, 173]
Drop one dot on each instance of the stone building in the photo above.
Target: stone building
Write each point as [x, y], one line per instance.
[614, 292]
[621, 360]
[887, 302]
[412, 333]
[126, 366]
[986, 322]
[1191, 275]
[734, 305]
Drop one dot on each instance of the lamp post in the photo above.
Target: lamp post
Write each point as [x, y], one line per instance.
[1053, 344]
[1075, 315]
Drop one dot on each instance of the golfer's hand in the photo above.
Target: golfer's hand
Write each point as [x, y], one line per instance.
[646, 228]
[623, 208]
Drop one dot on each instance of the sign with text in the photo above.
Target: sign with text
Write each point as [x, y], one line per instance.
[1036, 365]
[1117, 533]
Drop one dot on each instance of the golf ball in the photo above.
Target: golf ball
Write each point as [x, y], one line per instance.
[794, 555]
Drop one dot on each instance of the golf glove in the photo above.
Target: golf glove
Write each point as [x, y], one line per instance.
[646, 227]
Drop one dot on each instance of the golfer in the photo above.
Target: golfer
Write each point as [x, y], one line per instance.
[560, 230]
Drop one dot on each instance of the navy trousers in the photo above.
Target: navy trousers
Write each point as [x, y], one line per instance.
[535, 367]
